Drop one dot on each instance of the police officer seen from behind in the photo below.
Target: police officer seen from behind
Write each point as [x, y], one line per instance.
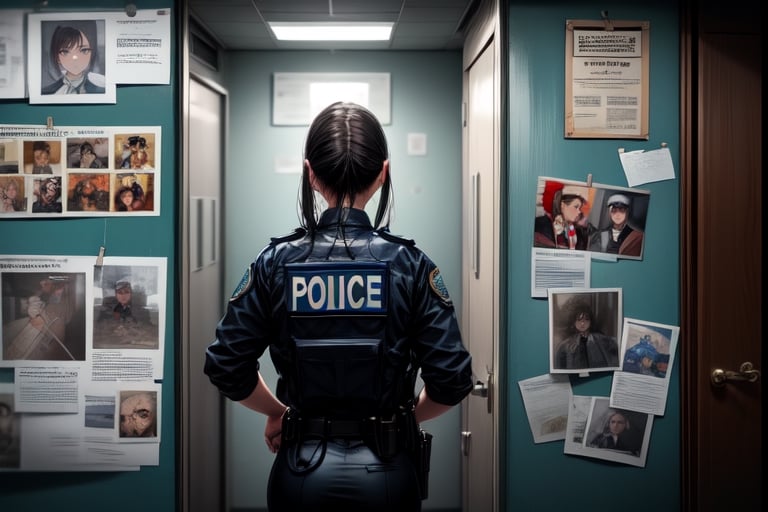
[350, 313]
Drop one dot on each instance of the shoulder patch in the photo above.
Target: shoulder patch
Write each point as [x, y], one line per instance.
[394, 238]
[245, 284]
[297, 233]
[438, 286]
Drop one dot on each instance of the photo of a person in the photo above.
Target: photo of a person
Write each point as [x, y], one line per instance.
[87, 154]
[124, 317]
[88, 192]
[12, 194]
[584, 330]
[74, 59]
[41, 155]
[560, 222]
[48, 322]
[616, 429]
[138, 414]
[133, 192]
[135, 153]
[618, 231]
[48, 196]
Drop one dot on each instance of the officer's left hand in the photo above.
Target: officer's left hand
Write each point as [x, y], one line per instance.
[273, 432]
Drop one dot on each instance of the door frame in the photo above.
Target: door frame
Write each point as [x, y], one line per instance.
[487, 25]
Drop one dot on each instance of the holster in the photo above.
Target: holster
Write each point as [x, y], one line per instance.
[421, 460]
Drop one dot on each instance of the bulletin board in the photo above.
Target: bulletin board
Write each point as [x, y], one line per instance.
[606, 79]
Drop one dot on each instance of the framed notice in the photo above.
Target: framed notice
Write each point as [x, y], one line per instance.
[606, 79]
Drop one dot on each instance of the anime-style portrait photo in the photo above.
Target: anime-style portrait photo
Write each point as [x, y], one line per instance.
[596, 218]
[67, 59]
[43, 316]
[42, 157]
[87, 153]
[12, 198]
[88, 192]
[133, 192]
[585, 327]
[135, 151]
[126, 310]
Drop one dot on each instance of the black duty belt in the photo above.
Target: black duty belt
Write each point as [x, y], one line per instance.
[336, 428]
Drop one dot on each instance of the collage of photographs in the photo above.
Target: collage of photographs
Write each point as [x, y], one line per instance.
[87, 172]
[588, 332]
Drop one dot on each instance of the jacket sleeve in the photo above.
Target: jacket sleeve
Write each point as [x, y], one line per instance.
[446, 365]
[242, 336]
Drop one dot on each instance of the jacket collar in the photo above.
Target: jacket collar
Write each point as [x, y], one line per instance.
[350, 217]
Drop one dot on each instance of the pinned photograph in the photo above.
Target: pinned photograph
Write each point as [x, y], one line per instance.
[12, 197]
[126, 309]
[43, 316]
[598, 218]
[584, 329]
[648, 352]
[619, 435]
[67, 60]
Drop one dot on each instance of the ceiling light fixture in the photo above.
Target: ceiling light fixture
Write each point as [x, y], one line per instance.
[331, 31]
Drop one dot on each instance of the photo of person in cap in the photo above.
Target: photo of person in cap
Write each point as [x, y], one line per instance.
[124, 319]
[618, 237]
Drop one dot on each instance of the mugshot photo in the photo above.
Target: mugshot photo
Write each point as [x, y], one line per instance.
[126, 311]
[585, 327]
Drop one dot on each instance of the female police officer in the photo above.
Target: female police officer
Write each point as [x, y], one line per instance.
[350, 314]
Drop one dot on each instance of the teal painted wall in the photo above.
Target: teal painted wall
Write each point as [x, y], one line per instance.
[541, 477]
[151, 488]
[426, 98]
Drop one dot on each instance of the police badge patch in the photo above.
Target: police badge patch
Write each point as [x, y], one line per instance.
[438, 286]
[243, 286]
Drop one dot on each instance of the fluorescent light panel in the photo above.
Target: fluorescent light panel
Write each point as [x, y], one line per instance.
[331, 31]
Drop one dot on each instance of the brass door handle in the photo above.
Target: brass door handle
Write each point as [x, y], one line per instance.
[746, 373]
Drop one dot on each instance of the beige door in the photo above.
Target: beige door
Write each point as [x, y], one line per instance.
[203, 300]
[722, 252]
[480, 319]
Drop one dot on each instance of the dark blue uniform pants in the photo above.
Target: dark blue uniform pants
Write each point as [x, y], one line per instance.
[345, 476]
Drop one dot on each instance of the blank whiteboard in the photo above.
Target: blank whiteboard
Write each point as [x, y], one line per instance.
[298, 97]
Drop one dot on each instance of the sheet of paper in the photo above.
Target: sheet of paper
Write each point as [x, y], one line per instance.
[546, 403]
[47, 389]
[553, 268]
[647, 166]
[648, 353]
[12, 64]
[141, 46]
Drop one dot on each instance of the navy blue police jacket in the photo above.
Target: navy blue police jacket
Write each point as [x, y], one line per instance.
[349, 315]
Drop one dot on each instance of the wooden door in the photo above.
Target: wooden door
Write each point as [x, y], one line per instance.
[722, 251]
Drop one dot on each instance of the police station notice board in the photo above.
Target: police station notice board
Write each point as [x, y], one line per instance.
[607, 79]
[85, 339]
